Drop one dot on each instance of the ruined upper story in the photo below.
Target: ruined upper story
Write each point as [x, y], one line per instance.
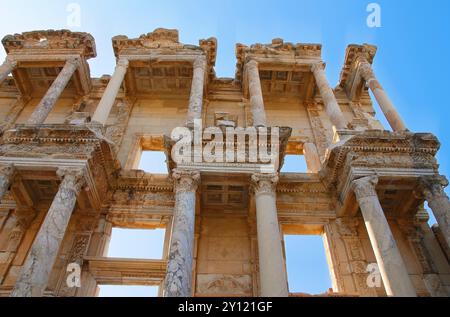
[156, 91]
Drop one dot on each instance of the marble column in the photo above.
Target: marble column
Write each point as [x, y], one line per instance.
[331, 105]
[36, 270]
[272, 268]
[256, 96]
[6, 175]
[393, 271]
[312, 157]
[6, 68]
[391, 114]
[54, 92]
[438, 201]
[178, 282]
[110, 94]
[198, 86]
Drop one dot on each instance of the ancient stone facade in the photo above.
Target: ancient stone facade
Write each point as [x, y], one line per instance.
[71, 144]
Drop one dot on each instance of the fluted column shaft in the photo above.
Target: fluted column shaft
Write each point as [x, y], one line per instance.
[438, 201]
[6, 68]
[47, 103]
[196, 97]
[272, 268]
[6, 174]
[256, 96]
[178, 281]
[331, 105]
[391, 114]
[392, 267]
[105, 105]
[36, 270]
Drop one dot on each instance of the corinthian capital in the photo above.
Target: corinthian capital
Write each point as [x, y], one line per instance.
[123, 62]
[72, 178]
[11, 62]
[366, 69]
[264, 183]
[200, 62]
[317, 67]
[433, 186]
[251, 64]
[365, 187]
[185, 181]
[7, 171]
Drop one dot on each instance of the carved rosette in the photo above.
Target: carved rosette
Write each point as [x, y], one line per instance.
[185, 181]
[264, 184]
[365, 187]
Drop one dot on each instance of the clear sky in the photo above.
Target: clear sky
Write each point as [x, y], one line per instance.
[412, 62]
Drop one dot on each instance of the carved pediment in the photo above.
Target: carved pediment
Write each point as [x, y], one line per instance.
[79, 42]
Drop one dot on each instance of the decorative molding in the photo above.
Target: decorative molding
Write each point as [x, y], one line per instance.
[56, 40]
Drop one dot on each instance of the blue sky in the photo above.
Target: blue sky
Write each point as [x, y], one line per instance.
[412, 61]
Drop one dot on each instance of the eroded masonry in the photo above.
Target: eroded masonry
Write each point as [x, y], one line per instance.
[71, 145]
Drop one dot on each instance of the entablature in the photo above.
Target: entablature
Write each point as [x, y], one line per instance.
[399, 159]
[160, 65]
[39, 56]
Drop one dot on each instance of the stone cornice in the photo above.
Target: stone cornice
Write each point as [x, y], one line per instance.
[163, 42]
[51, 40]
[381, 149]
[141, 181]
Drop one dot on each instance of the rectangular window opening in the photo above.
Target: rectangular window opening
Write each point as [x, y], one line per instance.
[128, 291]
[154, 162]
[307, 266]
[294, 164]
[137, 244]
